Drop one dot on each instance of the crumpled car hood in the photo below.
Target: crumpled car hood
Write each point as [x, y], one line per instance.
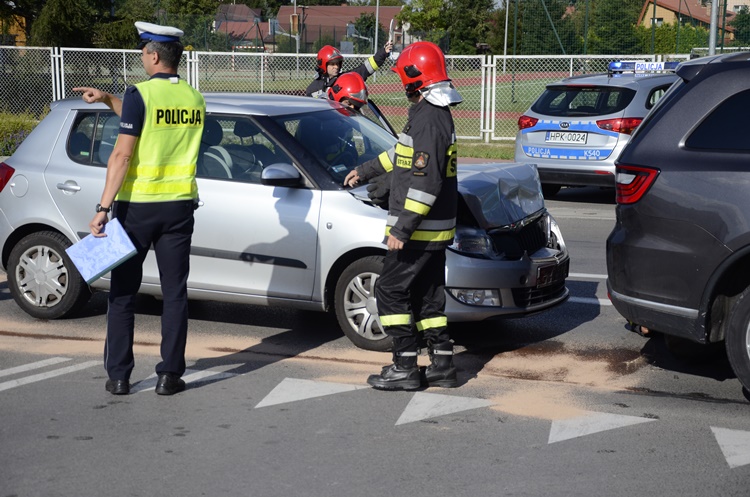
[500, 194]
[497, 194]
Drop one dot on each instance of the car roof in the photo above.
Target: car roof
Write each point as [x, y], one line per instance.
[625, 80]
[262, 104]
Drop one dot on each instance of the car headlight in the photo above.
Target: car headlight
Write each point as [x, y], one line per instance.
[554, 235]
[472, 242]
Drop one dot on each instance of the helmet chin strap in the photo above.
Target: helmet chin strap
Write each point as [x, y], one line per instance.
[442, 94]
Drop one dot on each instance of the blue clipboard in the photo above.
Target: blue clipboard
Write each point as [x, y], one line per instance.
[96, 256]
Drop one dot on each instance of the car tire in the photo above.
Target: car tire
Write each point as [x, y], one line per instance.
[550, 191]
[355, 305]
[42, 278]
[737, 339]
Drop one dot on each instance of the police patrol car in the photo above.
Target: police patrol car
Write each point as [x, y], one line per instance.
[576, 129]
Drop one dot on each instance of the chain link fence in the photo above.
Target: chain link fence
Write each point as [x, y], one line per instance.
[496, 89]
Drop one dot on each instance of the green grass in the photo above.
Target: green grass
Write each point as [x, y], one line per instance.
[480, 150]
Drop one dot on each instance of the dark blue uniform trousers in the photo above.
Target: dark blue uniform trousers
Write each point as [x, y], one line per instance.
[168, 226]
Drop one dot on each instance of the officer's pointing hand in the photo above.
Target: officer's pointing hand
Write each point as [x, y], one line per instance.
[91, 95]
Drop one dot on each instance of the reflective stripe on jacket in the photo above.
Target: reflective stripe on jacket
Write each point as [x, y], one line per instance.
[163, 164]
[424, 187]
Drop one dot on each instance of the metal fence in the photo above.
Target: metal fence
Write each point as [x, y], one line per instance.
[496, 89]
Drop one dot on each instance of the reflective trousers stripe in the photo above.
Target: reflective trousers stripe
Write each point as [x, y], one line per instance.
[395, 320]
[430, 323]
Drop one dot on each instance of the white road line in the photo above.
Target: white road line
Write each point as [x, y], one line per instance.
[44, 376]
[33, 365]
[590, 423]
[586, 300]
[588, 276]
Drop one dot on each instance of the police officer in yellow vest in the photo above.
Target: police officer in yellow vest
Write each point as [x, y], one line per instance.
[151, 189]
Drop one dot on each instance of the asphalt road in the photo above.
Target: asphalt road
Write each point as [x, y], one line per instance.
[567, 402]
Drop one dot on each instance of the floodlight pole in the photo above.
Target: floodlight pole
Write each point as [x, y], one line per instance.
[712, 29]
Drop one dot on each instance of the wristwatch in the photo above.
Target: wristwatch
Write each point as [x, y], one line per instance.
[99, 208]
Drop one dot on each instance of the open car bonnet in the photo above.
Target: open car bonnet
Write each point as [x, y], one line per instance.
[498, 195]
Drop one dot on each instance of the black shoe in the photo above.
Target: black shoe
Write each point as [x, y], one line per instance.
[394, 377]
[117, 387]
[169, 384]
[441, 372]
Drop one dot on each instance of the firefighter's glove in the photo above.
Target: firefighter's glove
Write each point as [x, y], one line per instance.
[379, 189]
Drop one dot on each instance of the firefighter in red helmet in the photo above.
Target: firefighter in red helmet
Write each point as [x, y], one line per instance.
[421, 224]
[349, 89]
[328, 65]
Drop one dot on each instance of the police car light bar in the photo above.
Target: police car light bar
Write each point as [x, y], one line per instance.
[641, 66]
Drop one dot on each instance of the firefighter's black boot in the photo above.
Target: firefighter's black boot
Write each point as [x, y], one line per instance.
[403, 374]
[441, 372]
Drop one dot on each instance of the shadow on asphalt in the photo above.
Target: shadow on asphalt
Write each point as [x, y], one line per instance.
[708, 361]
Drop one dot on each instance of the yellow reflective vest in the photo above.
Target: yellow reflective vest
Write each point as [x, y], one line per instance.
[163, 164]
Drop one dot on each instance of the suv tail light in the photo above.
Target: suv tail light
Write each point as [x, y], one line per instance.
[5, 174]
[632, 182]
[527, 122]
[624, 125]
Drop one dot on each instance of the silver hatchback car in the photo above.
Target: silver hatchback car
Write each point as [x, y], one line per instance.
[578, 126]
[274, 224]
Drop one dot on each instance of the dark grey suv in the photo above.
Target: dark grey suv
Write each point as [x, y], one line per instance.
[678, 258]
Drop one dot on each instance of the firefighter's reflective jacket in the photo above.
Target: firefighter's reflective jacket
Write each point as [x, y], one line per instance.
[423, 196]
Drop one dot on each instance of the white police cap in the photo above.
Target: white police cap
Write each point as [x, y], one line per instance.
[153, 32]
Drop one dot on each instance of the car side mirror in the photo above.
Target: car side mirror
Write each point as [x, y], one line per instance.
[280, 174]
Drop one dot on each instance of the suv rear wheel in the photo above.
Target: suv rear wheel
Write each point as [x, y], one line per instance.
[42, 278]
[737, 338]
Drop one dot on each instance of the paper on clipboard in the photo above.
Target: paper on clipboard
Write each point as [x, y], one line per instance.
[96, 256]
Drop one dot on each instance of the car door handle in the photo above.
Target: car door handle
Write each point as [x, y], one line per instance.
[69, 186]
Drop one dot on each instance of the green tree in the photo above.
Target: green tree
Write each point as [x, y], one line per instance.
[365, 26]
[668, 39]
[120, 31]
[470, 24]
[613, 26]
[547, 29]
[63, 23]
[428, 18]
[741, 25]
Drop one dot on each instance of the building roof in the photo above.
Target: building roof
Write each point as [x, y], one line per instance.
[236, 12]
[700, 10]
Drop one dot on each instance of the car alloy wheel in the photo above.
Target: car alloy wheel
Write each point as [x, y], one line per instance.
[42, 278]
[355, 304]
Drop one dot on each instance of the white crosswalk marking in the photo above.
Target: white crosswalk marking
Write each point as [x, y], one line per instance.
[191, 376]
[430, 405]
[293, 389]
[44, 376]
[33, 365]
[589, 423]
[586, 300]
[734, 444]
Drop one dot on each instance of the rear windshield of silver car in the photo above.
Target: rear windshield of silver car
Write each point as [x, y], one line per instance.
[582, 101]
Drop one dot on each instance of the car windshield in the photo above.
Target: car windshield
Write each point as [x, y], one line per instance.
[340, 139]
[582, 101]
